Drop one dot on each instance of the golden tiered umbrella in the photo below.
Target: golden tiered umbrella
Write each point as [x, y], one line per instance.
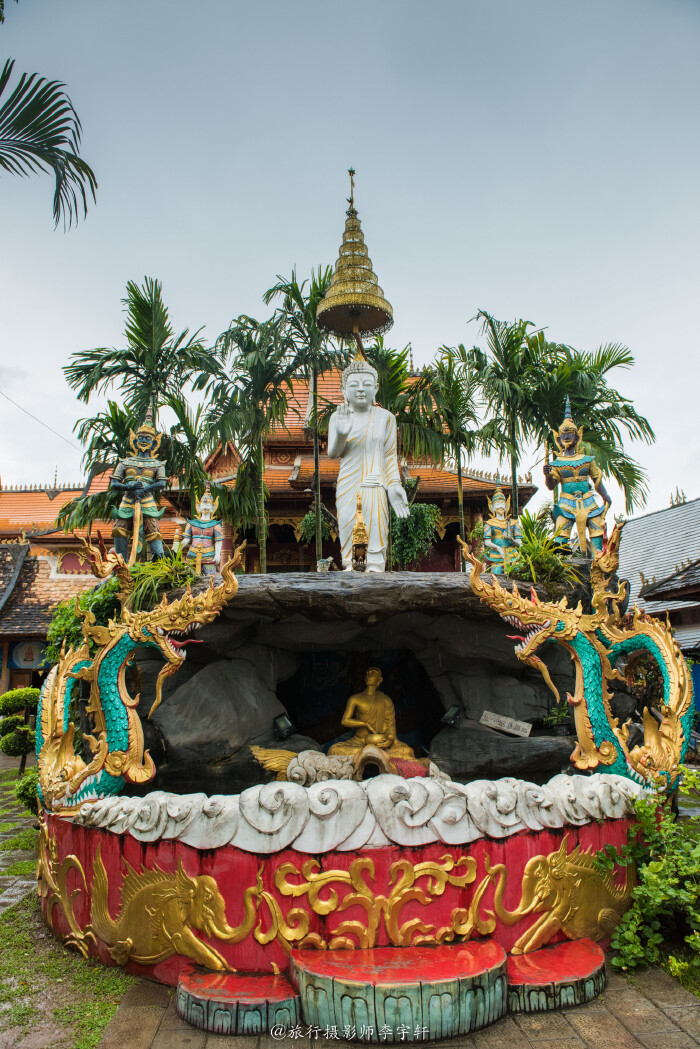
[354, 304]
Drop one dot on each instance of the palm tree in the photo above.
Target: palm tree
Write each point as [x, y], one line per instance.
[409, 398]
[606, 415]
[246, 406]
[506, 376]
[154, 366]
[107, 438]
[313, 353]
[453, 390]
[40, 131]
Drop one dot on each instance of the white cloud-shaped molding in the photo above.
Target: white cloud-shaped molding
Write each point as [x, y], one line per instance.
[344, 815]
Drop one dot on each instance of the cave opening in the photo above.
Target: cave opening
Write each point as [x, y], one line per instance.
[316, 695]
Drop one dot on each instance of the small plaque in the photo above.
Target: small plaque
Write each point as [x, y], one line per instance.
[504, 724]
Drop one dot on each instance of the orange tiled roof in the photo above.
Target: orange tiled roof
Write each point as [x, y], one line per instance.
[32, 509]
[27, 612]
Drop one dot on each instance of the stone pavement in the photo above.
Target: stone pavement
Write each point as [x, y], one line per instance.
[647, 1011]
[13, 886]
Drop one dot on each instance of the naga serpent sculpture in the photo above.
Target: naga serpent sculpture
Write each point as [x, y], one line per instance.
[117, 746]
[595, 642]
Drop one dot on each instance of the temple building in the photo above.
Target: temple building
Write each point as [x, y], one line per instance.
[41, 565]
[659, 555]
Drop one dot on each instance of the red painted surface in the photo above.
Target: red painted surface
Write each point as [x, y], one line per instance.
[235, 870]
[396, 965]
[563, 963]
[408, 769]
[250, 988]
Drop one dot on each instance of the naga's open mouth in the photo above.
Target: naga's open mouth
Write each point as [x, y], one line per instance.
[530, 632]
[177, 639]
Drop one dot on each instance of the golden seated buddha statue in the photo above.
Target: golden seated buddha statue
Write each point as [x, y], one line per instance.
[371, 714]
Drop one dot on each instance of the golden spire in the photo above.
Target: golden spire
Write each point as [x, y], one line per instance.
[354, 303]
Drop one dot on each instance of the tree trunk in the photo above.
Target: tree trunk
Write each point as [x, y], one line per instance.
[317, 471]
[514, 471]
[262, 523]
[460, 504]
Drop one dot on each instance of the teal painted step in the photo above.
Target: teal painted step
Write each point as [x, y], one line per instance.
[568, 973]
[236, 1003]
[395, 994]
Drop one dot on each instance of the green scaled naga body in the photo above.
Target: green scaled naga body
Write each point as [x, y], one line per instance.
[595, 643]
[116, 746]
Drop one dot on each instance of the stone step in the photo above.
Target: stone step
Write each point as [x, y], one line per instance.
[394, 994]
[236, 1003]
[568, 973]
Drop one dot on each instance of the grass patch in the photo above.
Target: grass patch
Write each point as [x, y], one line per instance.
[26, 839]
[5, 827]
[7, 775]
[46, 987]
[684, 966]
[19, 869]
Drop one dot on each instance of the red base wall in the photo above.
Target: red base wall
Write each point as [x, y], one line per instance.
[235, 870]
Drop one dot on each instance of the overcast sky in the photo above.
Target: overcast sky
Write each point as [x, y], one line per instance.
[535, 158]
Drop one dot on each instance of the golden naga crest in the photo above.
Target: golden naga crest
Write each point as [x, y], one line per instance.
[116, 745]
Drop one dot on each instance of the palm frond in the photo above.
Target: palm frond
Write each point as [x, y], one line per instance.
[40, 131]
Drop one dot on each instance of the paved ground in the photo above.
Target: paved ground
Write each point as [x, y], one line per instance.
[651, 1011]
[13, 886]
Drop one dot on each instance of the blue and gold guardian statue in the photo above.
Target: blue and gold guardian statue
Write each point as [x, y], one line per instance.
[502, 535]
[579, 478]
[140, 476]
[204, 536]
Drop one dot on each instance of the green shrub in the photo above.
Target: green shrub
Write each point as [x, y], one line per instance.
[67, 625]
[414, 536]
[19, 699]
[662, 925]
[9, 724]
[153, 579]
[539, 559]
[19, 743]
[307, 527]
[26, 788]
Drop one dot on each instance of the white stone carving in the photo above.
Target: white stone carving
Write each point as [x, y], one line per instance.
[312, 766]
[345, 815]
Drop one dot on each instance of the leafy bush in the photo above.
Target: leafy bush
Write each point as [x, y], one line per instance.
[26, 788]
[67, 625]
[307, 527]
[19, 699]
[413, 537]
[9, 724]
[539, 559]
[153, 579]
[663, 924]
[476, 538]
[18, 743]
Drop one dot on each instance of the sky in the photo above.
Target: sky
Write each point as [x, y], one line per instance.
[536, 160]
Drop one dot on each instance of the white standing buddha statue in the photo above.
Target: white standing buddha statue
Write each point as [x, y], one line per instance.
[363, 436]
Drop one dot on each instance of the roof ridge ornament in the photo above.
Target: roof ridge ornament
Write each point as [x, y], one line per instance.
[354, 304]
